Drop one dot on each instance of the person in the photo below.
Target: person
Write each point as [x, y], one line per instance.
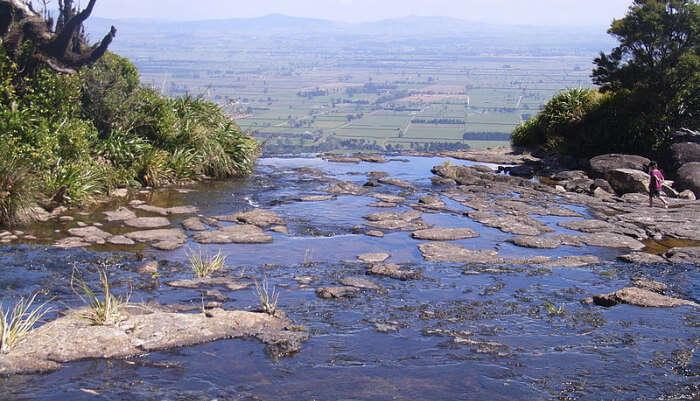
[656, 181]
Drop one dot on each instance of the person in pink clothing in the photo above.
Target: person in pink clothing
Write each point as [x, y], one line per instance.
[656, 181]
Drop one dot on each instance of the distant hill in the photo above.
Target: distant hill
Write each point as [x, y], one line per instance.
[421, 28]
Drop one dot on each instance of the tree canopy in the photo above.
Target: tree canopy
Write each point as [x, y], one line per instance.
[657, 62]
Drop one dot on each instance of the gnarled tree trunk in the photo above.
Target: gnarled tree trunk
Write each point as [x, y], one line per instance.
[64, 49]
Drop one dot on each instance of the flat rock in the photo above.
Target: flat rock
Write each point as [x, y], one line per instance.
[395, 271]
[587, 226]
[651, 285]
[71, 338]
[388, 198]
[444, 234]
[148, 268]
[396, 182]
[360, 282]
[685, 255]
[528, 241]
[317, 198]
[573, 261]
[147, 222]
[65, 243]
[158, 236]
[642, 257]
[257, 217]
[119, 193]
[612, 240]
[120, 240]
[229, 283]
[640, 297]
[346, 188]
[451, 253]
[373, 257]
[90, 234]
[193, 224]
[336, 292]
[519, 225]
[237, 234]
[120, 214]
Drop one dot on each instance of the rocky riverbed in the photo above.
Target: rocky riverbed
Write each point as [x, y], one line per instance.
[419, 278]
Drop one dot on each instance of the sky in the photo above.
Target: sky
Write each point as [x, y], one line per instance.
[538, 12]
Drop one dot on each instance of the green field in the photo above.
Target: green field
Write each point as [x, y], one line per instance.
[336, 95]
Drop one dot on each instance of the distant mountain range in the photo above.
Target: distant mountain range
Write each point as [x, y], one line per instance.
[277, 24]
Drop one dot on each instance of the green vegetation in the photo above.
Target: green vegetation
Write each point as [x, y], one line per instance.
[649, 88]
[81, 135]
[19, 322]
[107, 310]
[203, 264]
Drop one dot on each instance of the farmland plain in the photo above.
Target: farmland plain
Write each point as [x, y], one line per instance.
[308, 86]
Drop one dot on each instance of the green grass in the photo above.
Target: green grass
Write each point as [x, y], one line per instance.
[19, 321]
[204, 264]
[102, 310]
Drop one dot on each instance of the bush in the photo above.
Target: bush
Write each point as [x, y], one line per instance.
[17, 188]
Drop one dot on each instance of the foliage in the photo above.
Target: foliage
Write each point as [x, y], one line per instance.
[649, 88]
[100, 311]
[17, 189]
[20, 321]
[83, 134]
[267, 296]
[204, 265]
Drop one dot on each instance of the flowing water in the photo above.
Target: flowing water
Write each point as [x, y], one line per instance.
[476, 332]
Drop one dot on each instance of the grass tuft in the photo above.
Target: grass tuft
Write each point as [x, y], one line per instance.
[203, 264]
[107, 310]
[267, 296]
[20, 321]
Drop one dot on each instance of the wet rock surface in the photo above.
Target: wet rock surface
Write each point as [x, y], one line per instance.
[640, 297]
[444, 234]
[72, 338]
[237, 234]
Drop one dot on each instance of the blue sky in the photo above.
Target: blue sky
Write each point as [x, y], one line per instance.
[549, 12]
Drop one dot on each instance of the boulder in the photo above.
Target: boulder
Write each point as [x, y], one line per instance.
[688, 177]
[687, 194]
[625, 180]
[601, 165]
[685, 152]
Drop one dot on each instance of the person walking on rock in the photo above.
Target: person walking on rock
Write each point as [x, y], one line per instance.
[656, 181]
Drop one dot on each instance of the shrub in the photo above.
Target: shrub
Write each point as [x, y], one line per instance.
[17, 185]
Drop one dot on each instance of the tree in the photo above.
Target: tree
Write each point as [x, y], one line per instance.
[655, 69]
[30, 38]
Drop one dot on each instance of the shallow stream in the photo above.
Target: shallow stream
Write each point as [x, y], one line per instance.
[462, 332]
